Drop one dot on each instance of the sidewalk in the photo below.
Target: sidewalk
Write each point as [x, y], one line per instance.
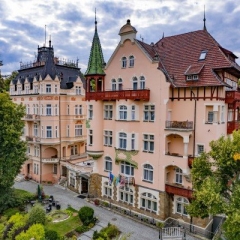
[136, 230]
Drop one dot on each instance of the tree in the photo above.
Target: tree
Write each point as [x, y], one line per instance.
[35, 232]
[12, 148]
[37, 215]
[86, 214]
[8, 80]
[216, 183]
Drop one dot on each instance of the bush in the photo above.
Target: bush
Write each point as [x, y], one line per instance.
[37, 215]
[112, 231]
[10, 212]
[81, 229]
[51, 235]
[86, 215]
[36, 231]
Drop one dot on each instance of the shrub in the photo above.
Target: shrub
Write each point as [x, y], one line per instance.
[37, 215]
[36, 231]
[96, 202]
[81, 229]
[10, 212]
[112, 231]
[51, 235]
[7, 229]
[86, 215]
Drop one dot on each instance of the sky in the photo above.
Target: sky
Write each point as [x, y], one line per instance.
[70, 23]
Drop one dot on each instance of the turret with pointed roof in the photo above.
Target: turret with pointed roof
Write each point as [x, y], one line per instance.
[96, 61]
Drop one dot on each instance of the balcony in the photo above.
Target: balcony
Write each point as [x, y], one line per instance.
[180, 126]
[190, 161]
[32, 117]
[140, 94]
[50, 160]
[178, 190]
[29, 139]
[231, 126]
[232, 96]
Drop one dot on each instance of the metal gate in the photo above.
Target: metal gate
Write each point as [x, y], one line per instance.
[173, 233]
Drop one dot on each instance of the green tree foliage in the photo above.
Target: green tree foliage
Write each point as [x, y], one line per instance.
[12, 148]
[51, 235]
[35, 232]
[216, 183]
[37, 215]
[8, 80]
[86, 214]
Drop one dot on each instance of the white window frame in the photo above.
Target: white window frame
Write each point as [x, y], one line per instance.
[78, 90]
[131, 61]
[49, 132]
[149, 113]
[78, 130]
[48, 88]
[122, 140]
[148, 202]
[108, 138]
[135, 83]
[127, 169]
[200, 149]
[108, 164]
[178, 175]
[90, 112]
[108, 112]
[126, 195]
[123, 112]
[147, 172]
[142, 82]
[114, 84]
[107, 189]
[124, 62]
[180, 203]
[90, 137]
[48, 110]
[148, 143]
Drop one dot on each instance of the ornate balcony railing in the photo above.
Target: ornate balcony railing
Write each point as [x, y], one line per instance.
[29, 138]
[232, 96]
[32, 117]
[179, 125]
[139, 94]
[178, 190]
[50, 160]
[231, 126]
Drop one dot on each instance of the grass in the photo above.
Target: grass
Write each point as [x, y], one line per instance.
[66, 226]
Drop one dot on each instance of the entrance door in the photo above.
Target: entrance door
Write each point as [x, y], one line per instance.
[64, 171]
[84, 185]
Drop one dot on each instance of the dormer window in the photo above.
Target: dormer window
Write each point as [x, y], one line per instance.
[203, 55]
[124, 62]
[189, 77]
[193, 77]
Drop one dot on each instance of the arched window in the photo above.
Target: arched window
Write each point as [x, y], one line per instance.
[142, 82]
[122, 140]
[114, 85]
[178, 174]
[181, 202]
[148, 202]
[120, 84]
[135, 83]
[122, 112]
[124, 62]
[127, 169]
[147, 172]
[108, 164]
[126, 195]
[131, 61]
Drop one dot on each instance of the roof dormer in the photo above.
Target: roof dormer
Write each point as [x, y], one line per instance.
[127, 31]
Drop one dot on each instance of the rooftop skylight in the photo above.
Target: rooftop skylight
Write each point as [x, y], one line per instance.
[203, 55]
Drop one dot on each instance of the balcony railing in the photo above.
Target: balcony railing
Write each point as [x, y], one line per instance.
[32, 117]
[190, 161]
[50, 160]
[179, 125]
[231, 126]
[177, 190]
[140, 94]
[29, 138]
[232, 96]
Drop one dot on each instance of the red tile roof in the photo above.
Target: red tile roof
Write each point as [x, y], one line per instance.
[180, 54]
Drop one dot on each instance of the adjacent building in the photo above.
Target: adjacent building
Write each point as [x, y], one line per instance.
[52, 90]
[151, 110]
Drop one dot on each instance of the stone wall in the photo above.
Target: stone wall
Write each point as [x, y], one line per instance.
[95, 183]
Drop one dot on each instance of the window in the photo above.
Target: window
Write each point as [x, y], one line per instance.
[78, 109]
[19, 90]
[90, 111]
[49, 110]
[131, 61]
[189, 77]
[203, 55]
[200, 149]
[195, 77]
[124, 62]
[48, 88]
[147, 172]
[41, 109]
[135, 83]
[28, 150]
[133, 141]
[120, 84]
[68, 132]
[56, 131]
[142, 82]
[108, 164]
[148, 202]
[90, 137]
[210, 117]
[181, 202]
[107, 189]
[35, 130]
[28, 109]
[122, 140]
[72, 180]
[74, 150]
[133, 113]
[36, 151]
[148, 143]
[56, 88]
[178, 175]
[222, 114]
[126, 195]
[108, 112]
[55, 169]
[122, 112]
[68, 110]
[34, 109]
[78, 90]
[23, 87]
[127, 169]
[42, 132]
[114, 85]
[108, 138]
[149, 113]
[27, 89]
[78, 130]
[56, 110]
[49, 131]
[35, 88]
[35, 168]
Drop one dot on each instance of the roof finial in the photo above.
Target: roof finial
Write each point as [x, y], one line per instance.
[204, 20]
[95, 20]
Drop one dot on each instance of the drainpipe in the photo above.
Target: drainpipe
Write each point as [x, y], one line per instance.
[60, 135]
[194, 121]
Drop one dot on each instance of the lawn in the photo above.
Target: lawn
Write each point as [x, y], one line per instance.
[65, 226]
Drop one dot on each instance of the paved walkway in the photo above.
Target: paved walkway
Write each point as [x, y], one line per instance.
[136, 231]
